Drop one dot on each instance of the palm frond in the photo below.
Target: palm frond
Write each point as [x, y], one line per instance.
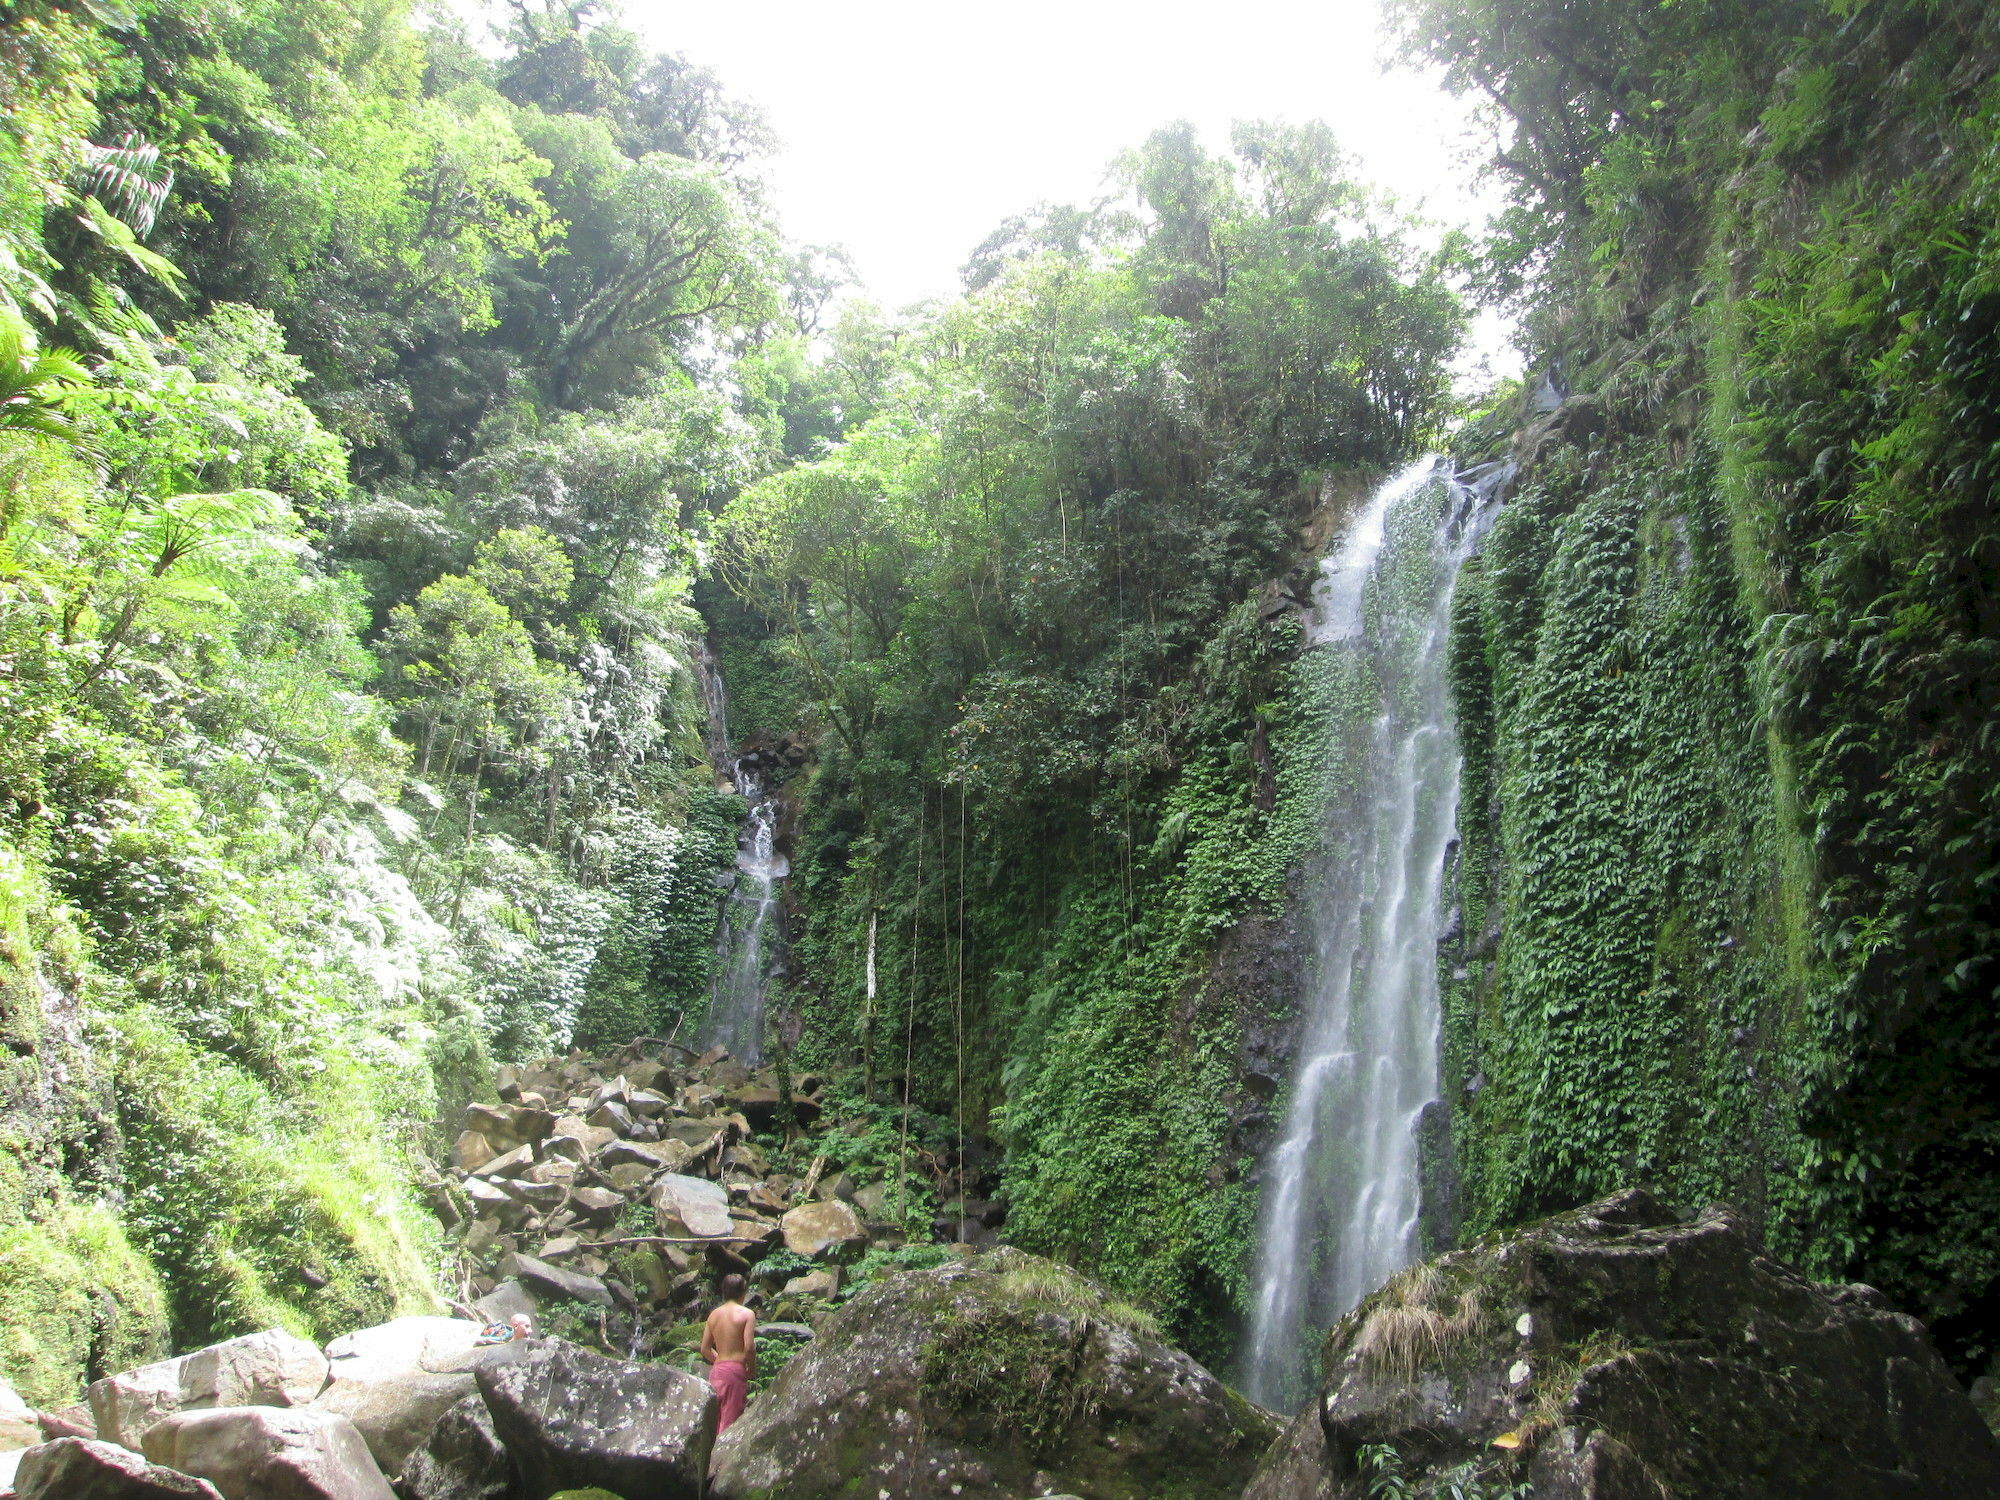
[128, 179]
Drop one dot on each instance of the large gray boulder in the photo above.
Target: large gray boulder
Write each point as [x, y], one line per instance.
[828, 1229]
[1004, 1376]
[1624, 1352]
[395, 1415]
[264, 1453]
[394, 1381]
[690, 1206]
[272, 1368]
[79, 1469]
[462, 1459]
[570, 1419]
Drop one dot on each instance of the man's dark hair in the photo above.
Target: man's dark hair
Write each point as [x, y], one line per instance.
[733, 1287]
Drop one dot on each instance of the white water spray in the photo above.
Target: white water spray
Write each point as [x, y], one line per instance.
[1341, 1190]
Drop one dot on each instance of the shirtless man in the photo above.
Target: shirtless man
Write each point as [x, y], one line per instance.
[729, 1344]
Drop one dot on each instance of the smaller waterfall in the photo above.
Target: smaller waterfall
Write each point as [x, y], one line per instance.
[1341, 1193]
[749, 936]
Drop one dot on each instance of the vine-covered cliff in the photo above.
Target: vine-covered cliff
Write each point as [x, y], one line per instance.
[1724, 669]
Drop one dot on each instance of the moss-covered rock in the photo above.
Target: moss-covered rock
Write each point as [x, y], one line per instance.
[1004, 1375]
[1624, 1352]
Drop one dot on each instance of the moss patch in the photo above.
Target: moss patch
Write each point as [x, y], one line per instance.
[1000, 1371]
[79, 1302]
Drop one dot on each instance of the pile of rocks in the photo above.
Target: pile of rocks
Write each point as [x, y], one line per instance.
[419, 1400]
[628, 1183]
[600, 1196]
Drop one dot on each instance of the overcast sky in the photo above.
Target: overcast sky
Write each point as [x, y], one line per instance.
[910, 130]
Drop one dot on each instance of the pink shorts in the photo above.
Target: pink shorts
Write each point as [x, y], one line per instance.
[726, 1377]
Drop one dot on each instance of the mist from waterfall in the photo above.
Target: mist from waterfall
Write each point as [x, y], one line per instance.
[1341, 1195]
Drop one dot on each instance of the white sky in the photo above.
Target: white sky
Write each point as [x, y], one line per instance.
[910, 130]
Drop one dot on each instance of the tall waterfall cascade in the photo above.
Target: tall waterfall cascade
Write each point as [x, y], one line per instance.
[748, 936]
[1342, 1197]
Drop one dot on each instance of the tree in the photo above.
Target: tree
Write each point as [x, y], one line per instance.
[666, 254]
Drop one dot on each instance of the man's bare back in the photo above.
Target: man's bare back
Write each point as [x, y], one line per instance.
[731, 1333]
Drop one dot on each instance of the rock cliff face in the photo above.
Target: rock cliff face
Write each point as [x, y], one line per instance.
[1623, 1352]
[1000, 1377]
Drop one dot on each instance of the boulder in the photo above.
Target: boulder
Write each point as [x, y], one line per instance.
[612, 1116]
[690, 1206]
[872, 1201]
[696, 1131]
[395, 1415]
[509, 1125]
[487, 1200]
[403, 1346]
[761, 1105]
[471, 1151]
[272, 1368]
[758, 1105]
[504, 1301]
[261, 1453]
[545, 1280]
[594, 1139]
[633, 1153]
[829, 1229]
[461, 1460]
[571, 1419]
[506, 1164]
[824, 1282]
[564, 1148]
[557, 1169]
[1627, 1352]
[596, 1205]
[75, 1420]
[394, 1381]
[79, 1469]
[540, 1196]
[1298, 1467]
[126, 1404]
[1005, 1376]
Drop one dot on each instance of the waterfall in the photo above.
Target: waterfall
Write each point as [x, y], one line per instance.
[748, 938]
[1341, 1192]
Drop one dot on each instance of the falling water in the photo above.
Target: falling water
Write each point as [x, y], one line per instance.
[747, 940]
[1341, 1191]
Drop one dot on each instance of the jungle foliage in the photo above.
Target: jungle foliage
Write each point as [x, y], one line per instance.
[358, 404]
[1725, 671]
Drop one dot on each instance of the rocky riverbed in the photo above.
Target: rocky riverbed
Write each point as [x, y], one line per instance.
[1624, 1351]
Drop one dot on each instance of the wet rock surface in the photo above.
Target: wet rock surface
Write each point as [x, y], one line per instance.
[1001, 1376]
[1626, 1352]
